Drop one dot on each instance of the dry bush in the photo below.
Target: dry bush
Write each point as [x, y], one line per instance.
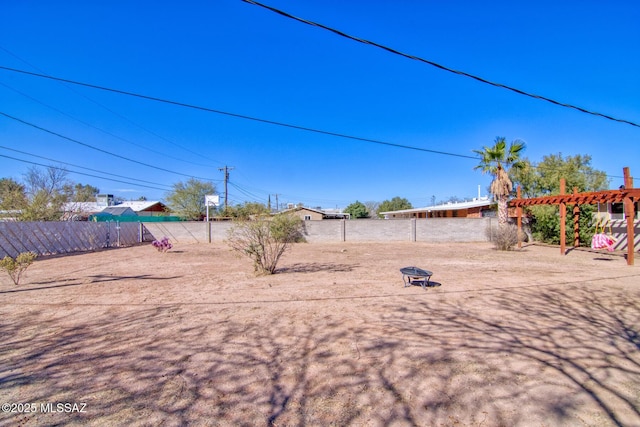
[265, 240]
[16, 266]
[506, 237]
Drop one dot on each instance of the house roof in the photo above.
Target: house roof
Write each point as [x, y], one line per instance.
[92, 207]
[118, 210]
[140, 205]
[300, 208]
[87, 207]
[475, 203]
[326, 213]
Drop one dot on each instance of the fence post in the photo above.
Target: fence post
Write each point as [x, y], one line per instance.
[140, 232]
[490, 229]
[413, 229]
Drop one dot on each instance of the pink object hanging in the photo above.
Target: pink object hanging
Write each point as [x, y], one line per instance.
[602, 241]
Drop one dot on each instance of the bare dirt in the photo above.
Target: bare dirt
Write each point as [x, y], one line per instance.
[192, 337]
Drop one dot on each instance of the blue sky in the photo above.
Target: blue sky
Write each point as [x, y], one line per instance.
[231, 56]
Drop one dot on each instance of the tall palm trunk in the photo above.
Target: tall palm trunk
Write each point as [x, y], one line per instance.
[503, 209]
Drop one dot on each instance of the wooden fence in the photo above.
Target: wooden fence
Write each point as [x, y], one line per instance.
[50, 238]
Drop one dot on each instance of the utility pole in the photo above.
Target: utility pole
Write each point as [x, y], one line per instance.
[277, 205]
[226, 170]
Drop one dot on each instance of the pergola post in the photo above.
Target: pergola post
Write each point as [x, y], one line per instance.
[576, 221]
[629, 210]
[627, 194]
[563, 216]
[519, 212]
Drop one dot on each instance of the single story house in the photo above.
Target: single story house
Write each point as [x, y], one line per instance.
[311, 214]
[146, 208]
[614, 211]
[80, 211]
[476, 208]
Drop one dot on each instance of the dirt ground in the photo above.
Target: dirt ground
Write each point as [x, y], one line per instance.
[191, 337]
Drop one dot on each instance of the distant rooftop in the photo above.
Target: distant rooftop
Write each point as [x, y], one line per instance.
[474, 203]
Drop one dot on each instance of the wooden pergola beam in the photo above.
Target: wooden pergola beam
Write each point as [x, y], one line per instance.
[589, 198]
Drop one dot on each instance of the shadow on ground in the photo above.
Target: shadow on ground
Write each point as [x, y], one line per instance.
[572, 354]
[315, 267]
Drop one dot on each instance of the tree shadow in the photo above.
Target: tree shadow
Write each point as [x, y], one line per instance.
[74, 282]
[41, 288]
[315, 267]
[97, 278]
[543, 356]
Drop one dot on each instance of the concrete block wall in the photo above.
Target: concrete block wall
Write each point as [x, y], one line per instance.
[397, 230]
[324, 231]
[362, 230]
[454, 229]
[188, 232]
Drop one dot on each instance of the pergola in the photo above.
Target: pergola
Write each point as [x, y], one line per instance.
[626, 195]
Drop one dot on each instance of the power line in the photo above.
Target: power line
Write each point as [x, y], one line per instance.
[81, 167]
[216, 112]
[97, 128]
[98, 149]
[245, 192]
[240, 116]
[439, 66]
[81, 173]
[110, 110]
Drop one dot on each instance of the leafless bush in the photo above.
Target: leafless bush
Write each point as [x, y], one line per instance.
[265, 240]
[506, 237]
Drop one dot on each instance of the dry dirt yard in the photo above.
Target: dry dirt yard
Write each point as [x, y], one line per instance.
[191, 337]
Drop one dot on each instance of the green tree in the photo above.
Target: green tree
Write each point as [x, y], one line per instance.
[43, 207]
[395, 204]
[186, 199]
[543, 179]
[357, 210]
[246, 210]
[13, 195]
[15, 267]
[498, 161]
[81, 192]
[546, 224]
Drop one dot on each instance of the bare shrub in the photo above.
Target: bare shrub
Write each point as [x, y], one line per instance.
[16, 266]
[506, 237]
[265, 240]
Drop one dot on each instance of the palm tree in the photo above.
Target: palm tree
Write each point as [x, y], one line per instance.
[498, 161]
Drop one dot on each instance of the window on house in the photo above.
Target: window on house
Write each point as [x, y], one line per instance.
[307, 217]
